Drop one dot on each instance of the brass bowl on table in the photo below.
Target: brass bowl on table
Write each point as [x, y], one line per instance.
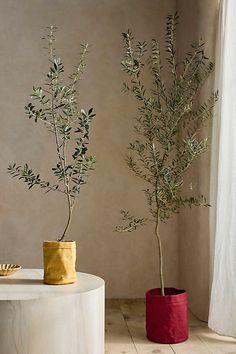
[8, 269]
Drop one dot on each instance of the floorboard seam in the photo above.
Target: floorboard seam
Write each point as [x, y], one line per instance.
[129, 331]
[172, 349]
[205, 344]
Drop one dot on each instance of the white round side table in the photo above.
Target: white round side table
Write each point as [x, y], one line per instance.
[51, 319]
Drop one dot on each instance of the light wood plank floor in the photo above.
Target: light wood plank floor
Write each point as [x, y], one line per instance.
[125, 333]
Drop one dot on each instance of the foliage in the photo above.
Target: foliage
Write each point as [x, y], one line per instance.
[132, 223]
[168, 122]
[56, 106]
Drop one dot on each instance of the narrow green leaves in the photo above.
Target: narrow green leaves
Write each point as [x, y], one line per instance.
[129, 222]
[27, 175]
[169, 118]
[55, 104]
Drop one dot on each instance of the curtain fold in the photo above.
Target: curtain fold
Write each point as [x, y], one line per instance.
[222, 316]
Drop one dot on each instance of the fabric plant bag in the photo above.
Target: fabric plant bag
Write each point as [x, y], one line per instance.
[167, 316]
[59, 262]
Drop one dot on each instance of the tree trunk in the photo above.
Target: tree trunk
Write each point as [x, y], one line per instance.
[160, 256]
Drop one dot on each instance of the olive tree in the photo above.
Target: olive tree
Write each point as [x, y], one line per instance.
[167, 124]
[55, 104]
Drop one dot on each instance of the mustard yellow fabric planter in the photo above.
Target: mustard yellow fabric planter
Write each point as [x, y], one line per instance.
[59, 262]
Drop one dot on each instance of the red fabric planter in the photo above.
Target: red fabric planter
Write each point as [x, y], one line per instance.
[167, 316]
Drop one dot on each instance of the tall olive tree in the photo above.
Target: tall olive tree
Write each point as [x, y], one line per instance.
[56, 105]
[167, 125]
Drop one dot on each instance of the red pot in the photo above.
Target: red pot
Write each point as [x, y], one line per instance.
[167, 316]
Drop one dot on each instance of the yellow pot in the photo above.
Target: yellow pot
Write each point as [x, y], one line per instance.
[59, 262]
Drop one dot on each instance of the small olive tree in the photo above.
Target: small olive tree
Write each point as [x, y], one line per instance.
[168, 121]
[56, 106]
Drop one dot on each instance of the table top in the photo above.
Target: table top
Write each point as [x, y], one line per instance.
[27, 284]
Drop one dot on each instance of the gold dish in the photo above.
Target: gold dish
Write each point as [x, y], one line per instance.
[8, 269]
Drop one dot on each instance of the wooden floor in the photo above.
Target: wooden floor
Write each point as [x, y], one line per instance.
[125, 333]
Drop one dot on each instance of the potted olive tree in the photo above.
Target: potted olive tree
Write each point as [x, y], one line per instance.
[167, 126]
[55, 105]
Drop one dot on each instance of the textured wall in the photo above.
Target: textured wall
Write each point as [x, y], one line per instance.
[198, 20]
[127, 262]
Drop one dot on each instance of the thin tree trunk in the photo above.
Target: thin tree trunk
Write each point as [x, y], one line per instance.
[70, 209]
[158, 220]
[160, 256]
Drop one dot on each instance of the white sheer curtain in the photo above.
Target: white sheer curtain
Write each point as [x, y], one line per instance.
[222, 317]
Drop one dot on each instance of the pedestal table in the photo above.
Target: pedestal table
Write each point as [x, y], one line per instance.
[51, 319]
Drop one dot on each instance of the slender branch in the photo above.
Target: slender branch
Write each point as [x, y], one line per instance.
[70, 211]
[157, 228]
[160, 254]
[45, 122]
[48, 92]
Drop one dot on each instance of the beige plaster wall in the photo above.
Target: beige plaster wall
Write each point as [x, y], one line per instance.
[199, 20]
[127, 262]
